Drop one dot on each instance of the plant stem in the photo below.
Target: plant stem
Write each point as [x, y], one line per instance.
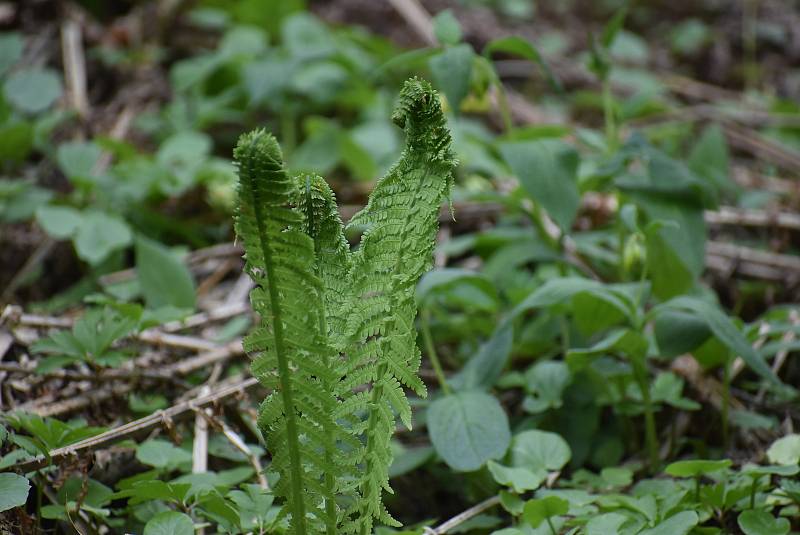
[726, 397]
[292, 432]
[431, 350]
[552, 528]
[610, 116]
[650, 437]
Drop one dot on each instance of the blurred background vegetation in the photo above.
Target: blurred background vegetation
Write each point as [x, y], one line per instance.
[621, 272]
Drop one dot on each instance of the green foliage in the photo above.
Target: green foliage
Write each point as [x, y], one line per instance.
[333, 320]
[13, 491]
[468, 429]
[91, 340]
[560, 350]
[32, 90]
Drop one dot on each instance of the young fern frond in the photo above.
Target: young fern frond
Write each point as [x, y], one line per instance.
[331, 250]
[396, 249]
[293, 357]
[336, 344]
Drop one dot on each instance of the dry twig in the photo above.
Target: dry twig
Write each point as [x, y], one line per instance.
[180, 411]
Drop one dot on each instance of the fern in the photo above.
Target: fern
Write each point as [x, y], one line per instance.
[402, 220]
[336, 344]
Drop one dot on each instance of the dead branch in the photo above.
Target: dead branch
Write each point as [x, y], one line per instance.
[181, 411]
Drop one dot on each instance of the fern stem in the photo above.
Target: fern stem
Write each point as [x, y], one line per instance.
[431, 349]
[297, 501]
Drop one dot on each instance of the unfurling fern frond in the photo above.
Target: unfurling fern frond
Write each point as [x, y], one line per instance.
[336, 345]
[293, 356]
[396, 249]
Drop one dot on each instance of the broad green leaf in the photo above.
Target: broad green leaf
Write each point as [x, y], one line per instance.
[60, 222]
[219, 510]
[560, 291]
[511, 502]
[409, 459]
[727, 333]
[32, 90]
[162, 454]
[757, 522]
[169, 523]
[305, 36]
[668, 388]
[626, 341]
[99, 235]
[77, 159]
[519, 46]
[539, 450]
[518, 478]
[537, 511]
[548, 171]
[451, 70]
[678, 524]
[164, 278]
[606, 524]
[545, 382]
[17, 139]
[468, 429]
[613, 27]
[11, 47]
[773, 470]
[484, 368]
[710, 158]
[13, 491]
[443, 278]
[597, 311]
[153, 489]
[447, 28]
[243, 41]
[785, 450]
[696, 467]
[679, 332]
[668, 271]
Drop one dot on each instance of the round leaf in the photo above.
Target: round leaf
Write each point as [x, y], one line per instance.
[99, 235]
[539, 450]
[536, 511]
[33, 90]
[77, 159]
[13, 491]
[678, 524]
[785, 450]
[164, 278]
[519, 479]
[696, 467]
[467, 429]
[169, 523]
[606, 524]
[59, 221]
[447, 28]
[755, 522]
[162, 454]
